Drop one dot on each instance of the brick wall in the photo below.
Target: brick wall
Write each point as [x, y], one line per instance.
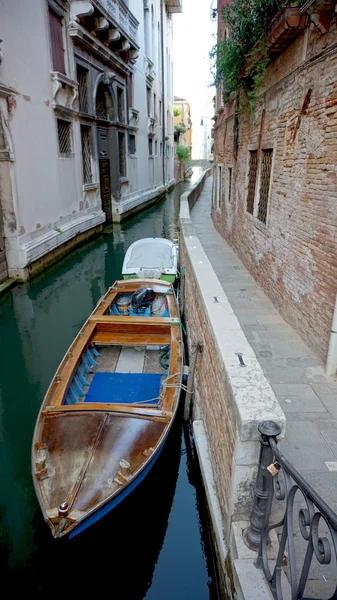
[212, 404]
[294, 255]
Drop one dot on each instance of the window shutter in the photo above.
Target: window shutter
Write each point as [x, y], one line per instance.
[56, 34]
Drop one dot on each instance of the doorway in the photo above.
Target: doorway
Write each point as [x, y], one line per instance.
[104, 171]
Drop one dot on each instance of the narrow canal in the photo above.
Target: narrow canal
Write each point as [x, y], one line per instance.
[155, 544]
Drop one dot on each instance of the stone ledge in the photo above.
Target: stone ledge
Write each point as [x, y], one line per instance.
[251, 396]
[35, 246]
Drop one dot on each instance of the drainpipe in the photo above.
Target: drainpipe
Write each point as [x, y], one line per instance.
[331, 363]
[163, 85]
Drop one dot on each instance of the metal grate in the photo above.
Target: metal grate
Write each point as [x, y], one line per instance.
[86, 153]
[122, 163]
[252, 181]
[132, 144]
[83, 97]
[230, 170]
[64, 136]
[267, 156]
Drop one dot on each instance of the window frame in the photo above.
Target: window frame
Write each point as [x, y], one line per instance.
[69, 123]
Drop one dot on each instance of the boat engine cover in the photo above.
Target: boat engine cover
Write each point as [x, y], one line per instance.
[142, 297]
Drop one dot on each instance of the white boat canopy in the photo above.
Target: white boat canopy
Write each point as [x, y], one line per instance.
[151, 257]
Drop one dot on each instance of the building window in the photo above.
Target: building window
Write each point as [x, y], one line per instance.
[64, 137]
[155, 106]
[130, 90]
[132, 143]
[251, 181]
[219, 189]
[120, 101]
[150, 147]
[83, 91]
[148, 100]
[161, 148]
[160, 115]
[56, 37]
[215, 186]
[86, 153]
[267, 157]
[229, 184]
[156, 148]
[121, 148]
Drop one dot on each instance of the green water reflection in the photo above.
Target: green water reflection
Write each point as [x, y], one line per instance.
[158, 528]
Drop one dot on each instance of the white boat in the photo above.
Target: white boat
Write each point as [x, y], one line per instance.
[151, 258]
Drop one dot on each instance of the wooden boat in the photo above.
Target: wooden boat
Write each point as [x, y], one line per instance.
[110, 405]
[155, 258]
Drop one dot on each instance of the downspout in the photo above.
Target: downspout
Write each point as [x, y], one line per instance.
[331, 362]
[163, 85]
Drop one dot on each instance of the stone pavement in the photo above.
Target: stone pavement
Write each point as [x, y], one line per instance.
[307, 396]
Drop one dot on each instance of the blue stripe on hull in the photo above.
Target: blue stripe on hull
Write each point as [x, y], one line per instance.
[101, 512]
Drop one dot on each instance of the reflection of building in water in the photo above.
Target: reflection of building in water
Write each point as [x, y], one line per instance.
[88, 136]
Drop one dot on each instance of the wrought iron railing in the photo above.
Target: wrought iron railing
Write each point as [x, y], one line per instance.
[278, 479]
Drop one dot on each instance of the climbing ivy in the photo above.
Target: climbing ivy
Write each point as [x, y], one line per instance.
[245, 23]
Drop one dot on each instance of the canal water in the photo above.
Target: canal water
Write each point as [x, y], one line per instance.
[155, 545]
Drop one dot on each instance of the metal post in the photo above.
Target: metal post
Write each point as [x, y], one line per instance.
[196, 349]
[261, 507]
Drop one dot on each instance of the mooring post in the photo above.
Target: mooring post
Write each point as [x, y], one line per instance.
[261, 505]
[195, 351]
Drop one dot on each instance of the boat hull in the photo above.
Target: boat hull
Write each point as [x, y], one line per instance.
[109, 408]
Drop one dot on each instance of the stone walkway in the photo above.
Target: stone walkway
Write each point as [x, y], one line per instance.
[308, 398]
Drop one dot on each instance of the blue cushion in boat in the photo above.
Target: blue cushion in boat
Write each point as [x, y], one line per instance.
[124, 388]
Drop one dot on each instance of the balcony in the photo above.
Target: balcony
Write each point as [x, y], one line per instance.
[121, 16]
[175, 6]
[106, 28]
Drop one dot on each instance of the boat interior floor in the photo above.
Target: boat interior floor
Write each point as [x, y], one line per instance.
[125, 374]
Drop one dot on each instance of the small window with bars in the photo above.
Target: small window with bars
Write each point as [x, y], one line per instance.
[150, 147]
[86, 153]
[266, 162]
[64, 137]
[122, 158]
[219, 189]
[132, 143]
[251, 181]
[229, 183]
[83, 88]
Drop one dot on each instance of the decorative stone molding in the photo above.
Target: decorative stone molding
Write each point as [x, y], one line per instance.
[80, 8]
[60, 81]
[6, 91]
[126, 45]
[118, 12]
[108, 77]
[149, 71]
[100, 24]
[133, 116]
[114, 35]
[150, 126]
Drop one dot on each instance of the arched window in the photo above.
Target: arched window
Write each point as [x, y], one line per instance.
[104, 103]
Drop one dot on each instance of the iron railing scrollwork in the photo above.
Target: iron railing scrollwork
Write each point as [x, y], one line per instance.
[278, 479]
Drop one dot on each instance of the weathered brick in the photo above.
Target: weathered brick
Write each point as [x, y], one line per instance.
[296, 262]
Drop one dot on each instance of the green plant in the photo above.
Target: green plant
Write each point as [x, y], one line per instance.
[183, 153]
[177, 111]
[244, 44]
